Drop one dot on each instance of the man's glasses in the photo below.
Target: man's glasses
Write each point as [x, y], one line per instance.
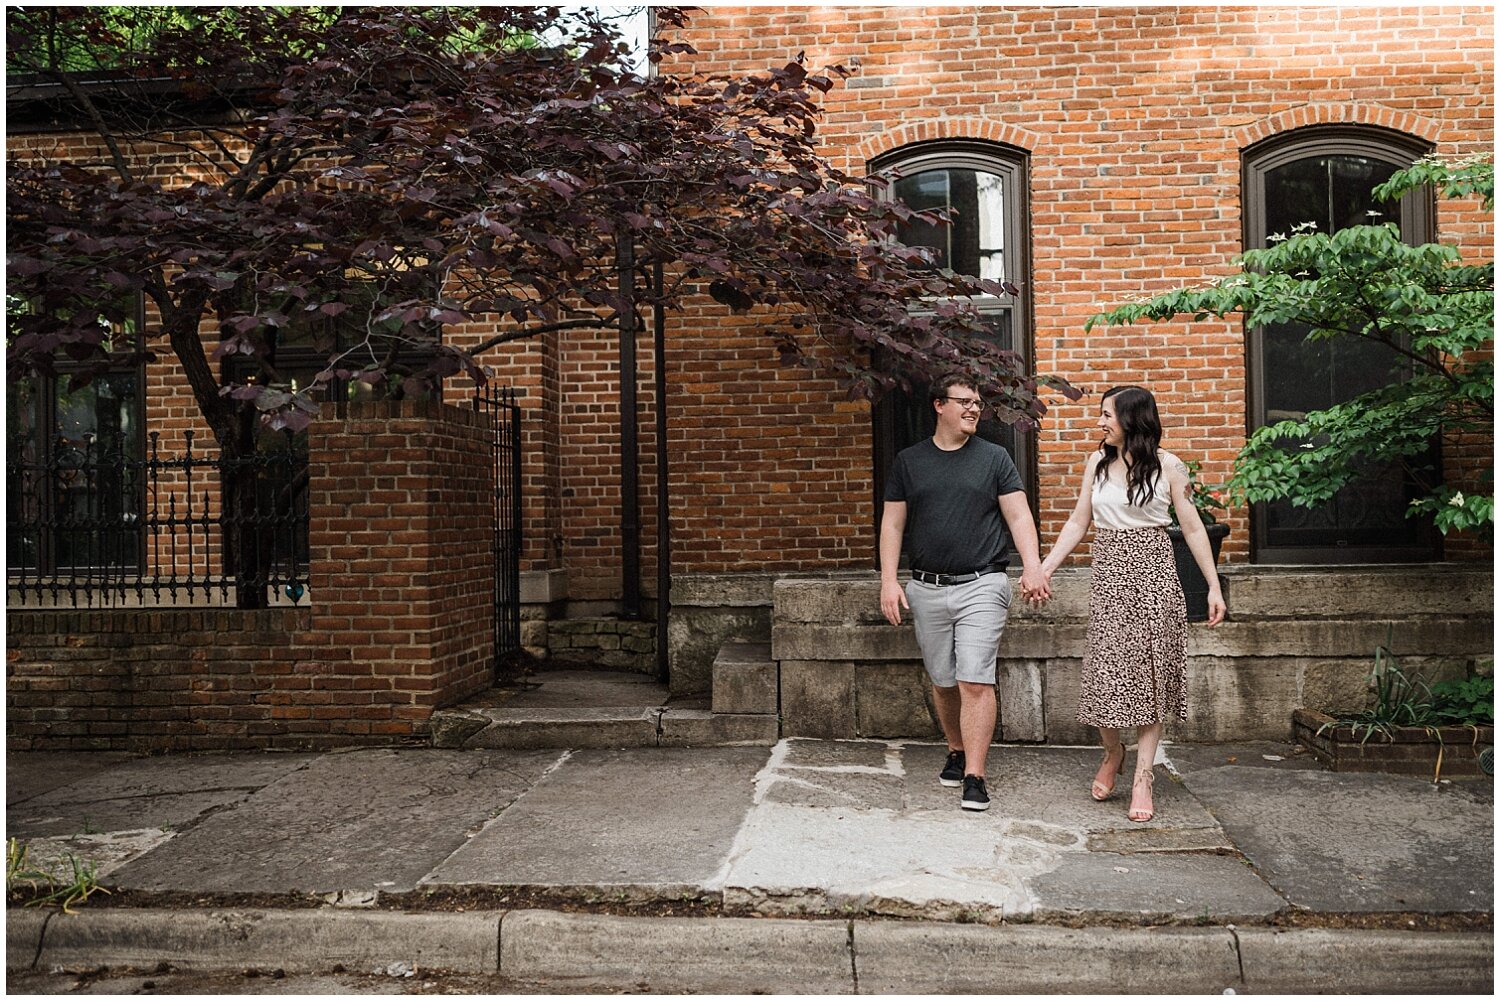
[966, 404]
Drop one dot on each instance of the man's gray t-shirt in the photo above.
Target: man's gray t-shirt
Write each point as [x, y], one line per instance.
[953, 520]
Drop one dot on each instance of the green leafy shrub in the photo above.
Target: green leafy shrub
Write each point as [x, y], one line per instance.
[1425, 306]
[1407, 700]
[1469, 702]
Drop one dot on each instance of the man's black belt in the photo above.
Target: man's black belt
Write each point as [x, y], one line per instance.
[949, 579]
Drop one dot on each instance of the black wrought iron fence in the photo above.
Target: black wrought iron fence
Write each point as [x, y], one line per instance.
[93, 521]
[502, 412]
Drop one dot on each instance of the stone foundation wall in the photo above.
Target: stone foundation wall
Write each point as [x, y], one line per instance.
[614, 643]
[709, 610]
[1295, 638]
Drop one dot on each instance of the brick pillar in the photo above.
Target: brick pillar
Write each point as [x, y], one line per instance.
[401, 502]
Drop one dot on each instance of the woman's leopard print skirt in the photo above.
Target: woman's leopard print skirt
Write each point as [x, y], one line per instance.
[1136, 656]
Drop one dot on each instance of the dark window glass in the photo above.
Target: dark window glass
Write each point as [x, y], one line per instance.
[74, 491]
[1331, 192]
[1323, 179]
[974, 244]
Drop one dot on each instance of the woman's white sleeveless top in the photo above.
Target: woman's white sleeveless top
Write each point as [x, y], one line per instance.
[1113, 510]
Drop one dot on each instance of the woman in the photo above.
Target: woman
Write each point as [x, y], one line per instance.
[1136, 655]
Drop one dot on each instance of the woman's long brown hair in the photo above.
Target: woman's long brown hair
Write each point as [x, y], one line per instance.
[1135, 409]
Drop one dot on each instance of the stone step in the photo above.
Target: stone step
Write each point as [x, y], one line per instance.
[616, 726]
[590, 708]
[746, 681]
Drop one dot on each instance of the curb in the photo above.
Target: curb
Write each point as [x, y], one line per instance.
[297, 941]
[776, 955]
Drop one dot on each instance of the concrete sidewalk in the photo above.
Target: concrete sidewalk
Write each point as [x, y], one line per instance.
[775, 869]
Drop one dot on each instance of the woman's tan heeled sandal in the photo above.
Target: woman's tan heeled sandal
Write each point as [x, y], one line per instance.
[1100, 791]
[1142, 814]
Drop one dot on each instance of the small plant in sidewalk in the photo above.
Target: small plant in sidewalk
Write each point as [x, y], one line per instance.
[32, 884]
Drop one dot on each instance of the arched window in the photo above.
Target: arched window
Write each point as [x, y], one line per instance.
[1324, 177]
[984, 184]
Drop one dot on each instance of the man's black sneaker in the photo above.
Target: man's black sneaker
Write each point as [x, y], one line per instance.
[953, 772]
[975, 798]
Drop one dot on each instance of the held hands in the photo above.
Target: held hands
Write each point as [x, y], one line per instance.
[1036, 585]
[892, 600]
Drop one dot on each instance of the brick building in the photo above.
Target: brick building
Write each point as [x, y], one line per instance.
[1128, 151]
[1101, 154]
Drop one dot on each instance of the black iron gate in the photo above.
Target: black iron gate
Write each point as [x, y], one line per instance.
[502, 414]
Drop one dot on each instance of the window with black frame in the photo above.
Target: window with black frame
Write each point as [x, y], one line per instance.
[74, 448]
[984, 187]
[1322, 179]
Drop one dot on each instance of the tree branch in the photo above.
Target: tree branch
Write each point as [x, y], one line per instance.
[547, 328]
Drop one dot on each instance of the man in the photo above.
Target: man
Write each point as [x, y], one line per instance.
[952, 499]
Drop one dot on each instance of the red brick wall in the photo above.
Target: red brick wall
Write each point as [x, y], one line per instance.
[398, 625]
[1134, 120]
[403, 498]
[174, 679]
[771, 467]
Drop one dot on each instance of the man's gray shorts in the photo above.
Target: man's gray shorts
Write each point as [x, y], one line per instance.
[958, 627]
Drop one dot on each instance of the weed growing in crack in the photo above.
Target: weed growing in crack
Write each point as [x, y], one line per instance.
[69, 881]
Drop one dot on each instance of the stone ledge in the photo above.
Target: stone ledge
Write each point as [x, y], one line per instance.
[540, 587]
[700, 728]
[1441, 590]
[530, 728]
[650, 726]
[1456, 637]
[744, 590]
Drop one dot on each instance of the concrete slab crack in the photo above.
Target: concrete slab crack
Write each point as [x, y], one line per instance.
[1239, 954]
[766, 777]
[165, 795]
[853, 959]
[739, 847]
[562, 759]
[42, 937]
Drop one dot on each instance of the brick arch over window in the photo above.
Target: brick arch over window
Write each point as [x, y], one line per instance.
[981, 129]
[1337, 114]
